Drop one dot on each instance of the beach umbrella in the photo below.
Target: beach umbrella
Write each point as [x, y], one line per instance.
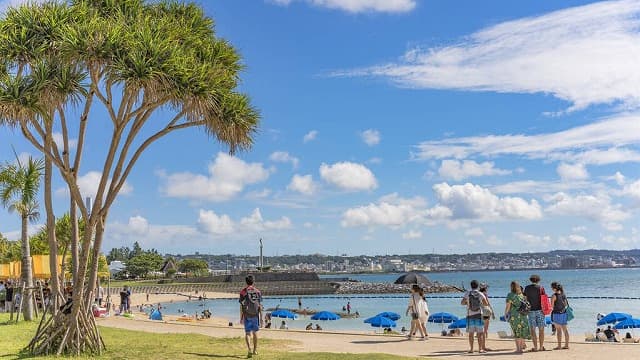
[413, 278]
[379, 321]
[613, 317]
[390, 315]
[547, 320]
[458, 324]
[629, 323]
[325, 315]
[283, 313]
[442, 318]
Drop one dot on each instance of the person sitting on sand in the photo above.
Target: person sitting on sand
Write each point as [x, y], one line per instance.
[403, 330]
[284, 326]
[318, 327]
[610, 334]
[309, 327]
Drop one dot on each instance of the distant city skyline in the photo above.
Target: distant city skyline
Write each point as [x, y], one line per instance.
[401, 126]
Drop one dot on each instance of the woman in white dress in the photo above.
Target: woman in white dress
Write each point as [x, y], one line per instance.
[419, 311]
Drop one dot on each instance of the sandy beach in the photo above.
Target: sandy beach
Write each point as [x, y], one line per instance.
[321, 341]
[141, 298]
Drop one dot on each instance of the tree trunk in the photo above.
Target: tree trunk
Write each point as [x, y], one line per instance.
[27, 278]
[54, 284]
[74, 331]
[73, 215]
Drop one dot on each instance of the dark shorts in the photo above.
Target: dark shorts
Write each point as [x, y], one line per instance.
[251, 325]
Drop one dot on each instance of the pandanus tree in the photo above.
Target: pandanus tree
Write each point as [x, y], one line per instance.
[19, 187]
[153, 68]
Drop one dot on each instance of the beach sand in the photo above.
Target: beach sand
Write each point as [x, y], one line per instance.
[141, 298]
[324, 341]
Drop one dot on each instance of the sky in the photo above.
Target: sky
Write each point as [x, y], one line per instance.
[399, 127]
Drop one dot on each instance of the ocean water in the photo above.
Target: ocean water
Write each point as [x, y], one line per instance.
[577, 284]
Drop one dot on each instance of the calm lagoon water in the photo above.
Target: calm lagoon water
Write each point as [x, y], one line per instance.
[577, 283]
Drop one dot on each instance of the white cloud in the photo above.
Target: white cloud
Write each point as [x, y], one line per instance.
[471, 201]
[138, 225]
[632, 190]
[573, 241]
[412, 234]
[460, 170]
[597, 143]
[370, 137]
[593, 207]
[374, 160]
[585, 55]
[533, 240]
[348, 176]
[228, 176]
[310, 136]
[211, 223]
[475, 232]
[539, 187]
[284, 157]
[89, 183]
[576, 229]
[303, 184]
[391, 210]
[619, 178]
[59, 140]
[570, 172]
[359, 6]
[255, 222]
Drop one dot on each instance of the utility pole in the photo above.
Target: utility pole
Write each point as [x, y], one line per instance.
[261, 258]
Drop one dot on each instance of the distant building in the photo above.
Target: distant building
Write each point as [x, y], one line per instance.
[569, 262]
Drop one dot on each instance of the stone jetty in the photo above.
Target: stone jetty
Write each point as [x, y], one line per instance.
[352, 287]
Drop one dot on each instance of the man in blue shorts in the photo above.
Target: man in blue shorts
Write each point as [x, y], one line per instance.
[475, 300]
[251, 314]
[536, 316]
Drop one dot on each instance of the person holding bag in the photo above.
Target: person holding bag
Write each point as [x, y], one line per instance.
[560, 316]
[416, 314]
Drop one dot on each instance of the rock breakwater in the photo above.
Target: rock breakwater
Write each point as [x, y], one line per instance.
[350, 287]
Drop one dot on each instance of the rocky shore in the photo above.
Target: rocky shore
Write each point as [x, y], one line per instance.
[350, 287]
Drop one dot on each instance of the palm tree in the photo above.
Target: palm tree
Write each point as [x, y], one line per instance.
[155, 65]
[19, 186]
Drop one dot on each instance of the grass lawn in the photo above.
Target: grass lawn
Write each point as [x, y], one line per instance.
[126, 344]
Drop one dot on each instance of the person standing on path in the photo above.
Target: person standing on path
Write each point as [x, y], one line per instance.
[475, 300]
[251, 314]
[487, 313]
[533, 292]
[518, 321]
[417, 308]
[559, 315]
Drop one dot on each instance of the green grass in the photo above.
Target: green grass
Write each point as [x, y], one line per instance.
[126, 344]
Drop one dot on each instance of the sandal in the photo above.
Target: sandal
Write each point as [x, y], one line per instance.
[557, 348]
[565, 348]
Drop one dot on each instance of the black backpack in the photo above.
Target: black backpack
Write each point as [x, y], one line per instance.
[524, 307]
[475, 301]
[251, 303]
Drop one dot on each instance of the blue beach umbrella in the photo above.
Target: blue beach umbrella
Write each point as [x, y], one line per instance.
[379, 321]
[442, 318]
[390, 315]
[458, 324]
[283, 313]
[325, 315]
[630, 323]
[614, 317]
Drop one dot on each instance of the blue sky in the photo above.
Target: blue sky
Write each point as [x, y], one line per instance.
[401, 126]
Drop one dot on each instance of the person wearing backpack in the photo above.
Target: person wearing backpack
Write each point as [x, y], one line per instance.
[516, 314]
[475, 300]
[533, 292]
[250, 314]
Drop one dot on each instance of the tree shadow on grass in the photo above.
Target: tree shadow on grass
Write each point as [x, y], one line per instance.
[216, 356]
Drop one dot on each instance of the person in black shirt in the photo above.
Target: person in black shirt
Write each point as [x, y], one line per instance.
[8, 301]
[536, 316]
[610, 334]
